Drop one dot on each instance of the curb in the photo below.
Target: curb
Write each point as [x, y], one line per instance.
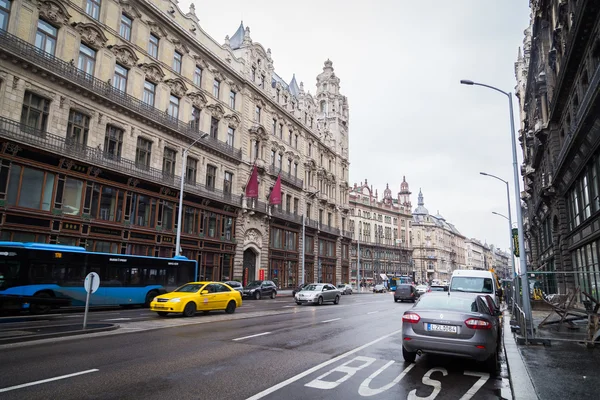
[521, 384]
[30, 338]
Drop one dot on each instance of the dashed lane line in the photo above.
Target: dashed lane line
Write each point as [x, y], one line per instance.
[330, 320]
[251, 336]
[56, 378]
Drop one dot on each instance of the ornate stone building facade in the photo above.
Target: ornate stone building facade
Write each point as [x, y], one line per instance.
[382, 229]
[438, 247]
[98, 99]
[558, 82]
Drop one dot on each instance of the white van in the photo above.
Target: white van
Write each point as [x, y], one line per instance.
[475, 281]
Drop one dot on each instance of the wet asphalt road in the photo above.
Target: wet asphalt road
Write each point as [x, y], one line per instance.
[350, 351]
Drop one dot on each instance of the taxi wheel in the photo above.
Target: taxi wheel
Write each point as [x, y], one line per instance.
[162, 313]
[320, 301]
[337, 300]
[273, 294]
[189, 310]
[257, 296]
[230, 307]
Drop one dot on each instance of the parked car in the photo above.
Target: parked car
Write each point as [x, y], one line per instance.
[235, 285]
[455, 324]
[406, 292]
[379, 289]
[259, 289]
[345, 288]
[318, 293]
[422, 289]
[438, 288]
[471, 281]
[197, 296]
[299, 288]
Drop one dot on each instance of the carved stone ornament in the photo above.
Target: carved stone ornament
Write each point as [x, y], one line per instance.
[198, 99]
[54, 12]
[217, 74]
[216, 111]
[156, 29]
[180, 47]
[125, 55]
[232, 121]
[91, 34]
[253, 236]
[152, 71]
[178, 87]
[200, 61]
[129, 10]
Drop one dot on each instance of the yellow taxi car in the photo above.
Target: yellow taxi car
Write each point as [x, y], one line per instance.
[197, 296]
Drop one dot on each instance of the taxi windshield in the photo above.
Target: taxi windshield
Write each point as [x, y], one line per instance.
[189, 288]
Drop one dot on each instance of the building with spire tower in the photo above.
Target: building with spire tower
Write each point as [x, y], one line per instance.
[96, 116]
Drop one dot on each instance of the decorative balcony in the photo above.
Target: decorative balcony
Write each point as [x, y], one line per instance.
[286, 177]
[45, 64]
[38, 139]
[312, 223]
[286, 215]
[347, 234]
[329, 229]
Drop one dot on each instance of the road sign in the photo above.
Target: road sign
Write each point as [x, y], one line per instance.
[92, 282]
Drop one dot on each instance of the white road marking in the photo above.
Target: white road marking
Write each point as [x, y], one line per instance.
[119, 319]
[331, 320]
[483, 378]
[293, 379]
[251, 336]
[364, 389]
[8, 389]
[345, 368]
[372, 312]
[437, 385]
[288, 306]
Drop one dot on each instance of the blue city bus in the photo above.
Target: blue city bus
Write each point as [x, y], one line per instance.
[399, 280]
[39, 277]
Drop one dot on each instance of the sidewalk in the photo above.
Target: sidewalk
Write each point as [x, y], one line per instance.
[566, 369]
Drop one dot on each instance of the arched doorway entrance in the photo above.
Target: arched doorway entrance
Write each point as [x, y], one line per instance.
[249, 266]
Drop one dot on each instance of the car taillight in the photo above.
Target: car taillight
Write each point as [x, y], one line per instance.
[411, 318]
[475, 323]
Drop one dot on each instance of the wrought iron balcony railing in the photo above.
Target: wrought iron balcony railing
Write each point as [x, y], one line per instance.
[289, 216]
[55, 66]
[329, 229]
[286, 176]
[39, 139]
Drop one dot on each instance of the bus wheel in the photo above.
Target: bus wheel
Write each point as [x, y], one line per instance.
[41, 308]
[149, 297]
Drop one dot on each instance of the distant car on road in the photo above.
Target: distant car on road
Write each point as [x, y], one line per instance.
[454, 324]
[406, 292]
[422, 289]
[379, 289]
[318, 293]
[259, 289]
[438, 288]
[345, 289]
[299, 288]
[235, 285]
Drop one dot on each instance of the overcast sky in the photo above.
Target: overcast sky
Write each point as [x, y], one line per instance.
[400, 63]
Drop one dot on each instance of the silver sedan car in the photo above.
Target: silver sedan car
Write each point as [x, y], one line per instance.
[318, 293]
[345, 288]
[454, 324]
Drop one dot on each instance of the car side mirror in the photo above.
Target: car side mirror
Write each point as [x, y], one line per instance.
[204, 292]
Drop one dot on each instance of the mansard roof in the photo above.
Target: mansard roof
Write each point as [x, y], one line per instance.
[293, 87]
[238, 37]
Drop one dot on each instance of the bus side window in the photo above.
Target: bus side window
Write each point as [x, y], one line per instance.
[117, 276]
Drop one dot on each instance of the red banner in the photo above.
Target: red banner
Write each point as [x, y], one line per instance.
[261, 274]
[252, 186]
[275, 197]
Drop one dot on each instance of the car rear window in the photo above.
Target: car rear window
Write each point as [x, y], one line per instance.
[471, 284]
[453, 303]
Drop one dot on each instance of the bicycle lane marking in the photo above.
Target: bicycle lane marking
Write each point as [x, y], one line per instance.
[297, 377]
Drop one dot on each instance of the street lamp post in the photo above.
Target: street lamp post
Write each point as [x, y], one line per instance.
[310, 195]
[512, 264]
[203, 135]
[522, 255]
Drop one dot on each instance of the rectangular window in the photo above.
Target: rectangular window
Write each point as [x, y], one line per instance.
[4, 14]
[211, 176]
[278, 95]
[289, 166]
[310, 149]
[288, 203]
[279, 161]
[92, 8]
[296, 142]
[230, 136]
[78, 128]
[125, 29]
[190, 170]
[153, 45]
[227, 182]
[232, 99]
[143, 152]
[120, 78]
[214, 127]
[255, 146]
[195, 121]
[149, 93]
[280, 131]
[45, 37]
[113, 142]
[290, 138]
[107, 203]
[273, 157]
[274, 126]
[87, 59]
[253, 74]
[143, 210]
[177, 59]
[173, 109]
[72, 193]
[296, 205]
[34, 113]
[262, 81]
[198, 76]
[216, 88]
[257, 114]
[169, 159]
[295, 170]
[329, 219]
[30, 188]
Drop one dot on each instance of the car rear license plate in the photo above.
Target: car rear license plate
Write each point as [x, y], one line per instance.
[442, 328]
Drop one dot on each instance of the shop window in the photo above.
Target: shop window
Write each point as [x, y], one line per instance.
[168, 213]
[72, 193]
[190, 220]
[227, 227]
[23, 237]
[30, 188]
[276, 238]
[143, 210]
[107, 203]
[212, 225]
